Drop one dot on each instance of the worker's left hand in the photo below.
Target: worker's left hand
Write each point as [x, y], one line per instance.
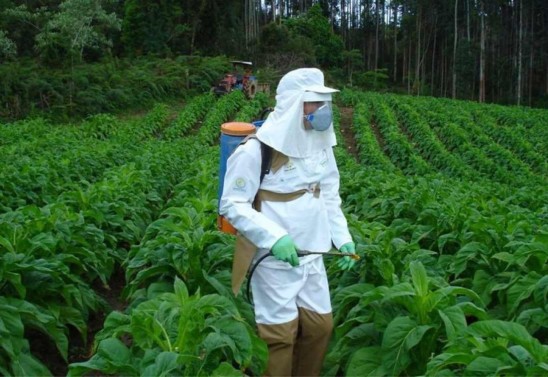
[346, 263]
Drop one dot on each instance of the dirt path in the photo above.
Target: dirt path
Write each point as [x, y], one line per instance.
[346, 130]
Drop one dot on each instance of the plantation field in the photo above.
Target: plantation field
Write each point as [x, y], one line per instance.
[446, 200]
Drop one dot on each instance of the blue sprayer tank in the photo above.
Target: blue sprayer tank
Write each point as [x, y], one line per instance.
[232, 134]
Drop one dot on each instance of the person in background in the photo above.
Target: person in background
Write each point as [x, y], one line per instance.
[295, 207]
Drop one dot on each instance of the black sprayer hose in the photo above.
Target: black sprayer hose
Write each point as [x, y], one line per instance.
[248, 285]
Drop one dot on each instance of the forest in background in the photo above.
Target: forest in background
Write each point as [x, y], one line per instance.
[76, 57]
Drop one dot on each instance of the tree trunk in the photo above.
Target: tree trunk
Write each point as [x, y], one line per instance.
[395, 42]
[416, 84]
[531, 53]
[433, 64]
[195, 25]
[343, 23]
[520, 52]
[403, 65]
[481, 96]
[468, 19]
[454, 90]
[376, 34]
[369, 52]
[409, 71]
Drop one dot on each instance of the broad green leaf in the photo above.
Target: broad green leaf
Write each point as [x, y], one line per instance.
[387, 270]
[181, 290]
[164, 364]
[465, 254]
[215, 341]
[361, 334]
[521, 290]
[483, 283]
[470, 309]
[153, 272]
[10, 320]
[96, 363]
[234, 334]
[437, 297]
[483, 366]
[6, 244]
[260, 354]
[521, 354]
[541, 369]
[516, 370]
[419, 277]
[217, 304]
[533, 319]
[512, 331]
[454, 321]
[402, 334]
[226, 370]
[505, 257]
[366, 362]
[399, 290]
[113, 349]
[116, 319]
[26, 365]
[541, 291]
[157, 288]
[440, 362]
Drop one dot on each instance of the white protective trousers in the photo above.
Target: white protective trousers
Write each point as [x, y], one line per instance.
[277, 294]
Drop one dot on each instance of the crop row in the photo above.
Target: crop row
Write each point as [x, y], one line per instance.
[56, 253]
[453, 278]
[450, 272]
[188, 328]
[455, 138]
[515, 168]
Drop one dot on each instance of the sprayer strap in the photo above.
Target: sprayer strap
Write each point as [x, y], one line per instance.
[266, 155]
[271, 196]
[271, 159]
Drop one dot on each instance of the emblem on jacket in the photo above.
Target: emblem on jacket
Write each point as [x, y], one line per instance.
[239, 184]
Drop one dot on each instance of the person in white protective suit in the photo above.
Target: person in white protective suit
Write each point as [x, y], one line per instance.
[300, 209]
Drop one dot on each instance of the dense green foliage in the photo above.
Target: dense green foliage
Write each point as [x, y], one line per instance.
[102, 87]
[454, 280]
[450, 222]
[72, 57]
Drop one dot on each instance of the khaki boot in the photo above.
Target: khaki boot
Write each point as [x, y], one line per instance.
[280, 340]
[312, 340]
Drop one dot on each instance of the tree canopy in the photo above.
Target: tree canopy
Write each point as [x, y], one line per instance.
[486, 50]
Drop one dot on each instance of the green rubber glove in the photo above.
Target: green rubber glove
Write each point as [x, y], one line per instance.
[285, 250]
[346, 263]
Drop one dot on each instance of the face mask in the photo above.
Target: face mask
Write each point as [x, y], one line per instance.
[321, 119]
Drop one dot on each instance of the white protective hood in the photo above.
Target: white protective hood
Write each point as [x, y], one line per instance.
[283, 130]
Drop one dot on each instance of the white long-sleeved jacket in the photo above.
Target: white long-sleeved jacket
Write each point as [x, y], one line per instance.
[313, 223]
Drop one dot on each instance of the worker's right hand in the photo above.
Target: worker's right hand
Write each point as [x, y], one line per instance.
[285, 250]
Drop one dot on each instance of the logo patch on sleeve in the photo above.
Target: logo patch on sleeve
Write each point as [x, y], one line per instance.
[239, 184]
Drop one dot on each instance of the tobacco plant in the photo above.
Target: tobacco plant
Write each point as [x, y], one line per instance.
[176, 333]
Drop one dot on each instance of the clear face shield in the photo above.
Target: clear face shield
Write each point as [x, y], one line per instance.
[321, 116]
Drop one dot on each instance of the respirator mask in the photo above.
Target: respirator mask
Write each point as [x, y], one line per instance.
[320, 119]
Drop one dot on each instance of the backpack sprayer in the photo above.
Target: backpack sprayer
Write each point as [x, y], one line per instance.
[232, 134]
